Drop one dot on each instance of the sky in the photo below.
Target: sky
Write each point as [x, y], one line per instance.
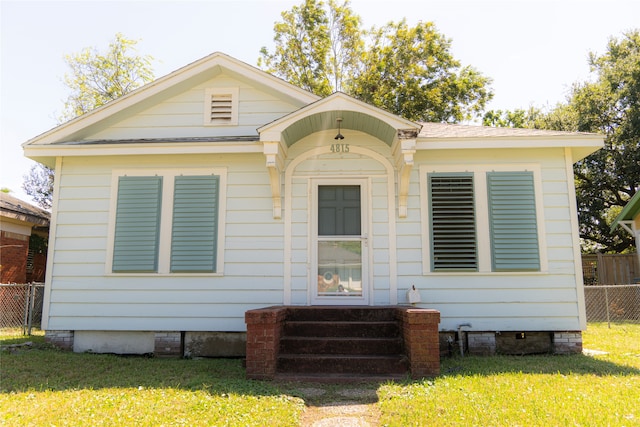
[533, 50]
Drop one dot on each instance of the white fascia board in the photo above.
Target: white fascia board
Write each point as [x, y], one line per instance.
[588, 143]
[138, 149]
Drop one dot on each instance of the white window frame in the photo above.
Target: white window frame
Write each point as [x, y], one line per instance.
[234, 92]
[482, 215]
[166, 218]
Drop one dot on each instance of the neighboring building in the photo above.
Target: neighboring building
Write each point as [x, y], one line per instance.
[219, 189]
[24, 230]
[629, 219]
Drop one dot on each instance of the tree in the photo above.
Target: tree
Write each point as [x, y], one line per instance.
[38, 184]
[410, 72]
[406, 70]
[607, 179]
[93, 80]
[316, 49]
[96, 78]
[517, 118]
[608, 104]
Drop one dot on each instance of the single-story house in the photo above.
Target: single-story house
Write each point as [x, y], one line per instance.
[220, 188]
[24, 230]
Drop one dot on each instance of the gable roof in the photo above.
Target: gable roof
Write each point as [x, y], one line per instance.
[629, 212]
[167, 86]
[311, 114]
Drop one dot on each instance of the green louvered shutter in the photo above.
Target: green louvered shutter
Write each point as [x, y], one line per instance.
[195, 224]
[137, 224]
[512, 218]
[453, 222]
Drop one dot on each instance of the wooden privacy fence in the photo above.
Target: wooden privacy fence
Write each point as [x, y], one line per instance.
[610, 269]
[612, 287]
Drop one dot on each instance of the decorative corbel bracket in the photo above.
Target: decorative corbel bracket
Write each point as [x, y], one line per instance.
[275, 161]
[405, 149]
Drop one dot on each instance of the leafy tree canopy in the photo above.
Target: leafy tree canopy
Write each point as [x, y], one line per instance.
[609, 103]
[406, 70]
[94, 79]
[38, 184]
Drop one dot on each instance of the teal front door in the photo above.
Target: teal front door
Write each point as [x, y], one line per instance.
[341, 244]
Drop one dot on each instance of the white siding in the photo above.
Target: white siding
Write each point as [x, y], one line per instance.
[182, 115]
[84, 297]
[545, 300]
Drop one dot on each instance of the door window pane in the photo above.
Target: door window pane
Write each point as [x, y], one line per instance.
[340, 268]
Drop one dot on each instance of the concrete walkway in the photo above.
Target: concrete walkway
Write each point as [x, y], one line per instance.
[343, 406]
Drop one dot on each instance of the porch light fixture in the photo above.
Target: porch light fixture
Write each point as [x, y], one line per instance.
[339, 135]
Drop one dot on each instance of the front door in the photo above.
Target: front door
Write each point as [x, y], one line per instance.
[340, 243]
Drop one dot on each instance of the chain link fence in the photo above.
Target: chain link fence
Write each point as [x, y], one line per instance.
[612, 287]
[613, 303]
[21, 306]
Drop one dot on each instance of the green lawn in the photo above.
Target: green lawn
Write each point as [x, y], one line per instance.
[43, 386]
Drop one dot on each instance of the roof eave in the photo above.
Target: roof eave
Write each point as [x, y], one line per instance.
[629, 212]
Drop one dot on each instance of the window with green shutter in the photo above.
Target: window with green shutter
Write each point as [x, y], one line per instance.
[195, 224]
[453, 222]
[137, 224]
[513, 222]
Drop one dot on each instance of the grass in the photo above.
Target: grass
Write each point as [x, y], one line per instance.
[536, 390]
[44, 386]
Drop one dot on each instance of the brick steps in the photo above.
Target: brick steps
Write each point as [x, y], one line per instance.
[339, 378]
[352, 341]
[372, 329]
[361, 364]
[341, 344]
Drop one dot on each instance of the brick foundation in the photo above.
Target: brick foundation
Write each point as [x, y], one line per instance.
[168, 344]
[61, 339]
[421, 340]
[481, 343]
[569, 342]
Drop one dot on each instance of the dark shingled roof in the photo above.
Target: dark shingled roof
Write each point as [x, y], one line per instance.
[12, 207]
[447, 130]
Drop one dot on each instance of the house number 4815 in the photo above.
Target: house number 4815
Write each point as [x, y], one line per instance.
[339, 148]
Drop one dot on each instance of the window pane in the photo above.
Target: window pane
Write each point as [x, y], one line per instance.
[340, 268]
[339, 210]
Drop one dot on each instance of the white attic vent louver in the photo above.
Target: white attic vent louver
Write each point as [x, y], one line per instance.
[221, 107]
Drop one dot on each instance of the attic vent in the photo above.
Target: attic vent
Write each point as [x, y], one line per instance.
[221, 106]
